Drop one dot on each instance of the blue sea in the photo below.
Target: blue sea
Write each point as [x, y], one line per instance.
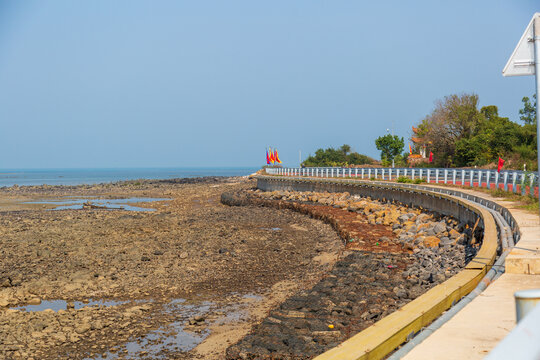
[20, 177]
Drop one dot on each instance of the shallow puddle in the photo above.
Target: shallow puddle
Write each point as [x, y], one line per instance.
[169, 338]
[179, 337]
[272, 229]
[78, 203]
[56, 305]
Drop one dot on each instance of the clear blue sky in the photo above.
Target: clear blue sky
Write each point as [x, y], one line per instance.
[211, 83]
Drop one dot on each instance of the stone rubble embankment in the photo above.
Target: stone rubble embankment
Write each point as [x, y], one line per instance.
[421, 249]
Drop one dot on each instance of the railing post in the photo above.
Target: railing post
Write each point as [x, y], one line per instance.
[343, 172]
[479, 178]
[505, 181]
[397, 175]
[497, 180]
[531, 185]
[445, 176]
[355, 173]
[428, 175]
[420, 175]
[488, 175]
[362, 173]
[376, 170]
[437, 176]
[523, 183]
[514, 182]
[382, 174]
[472, 178]
[412, 173]
[369, 173]
[454, 172]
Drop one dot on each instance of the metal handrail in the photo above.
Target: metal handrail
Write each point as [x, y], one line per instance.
[505, 179]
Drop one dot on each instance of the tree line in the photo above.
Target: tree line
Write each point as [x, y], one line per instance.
[461, 135]
[342, 156]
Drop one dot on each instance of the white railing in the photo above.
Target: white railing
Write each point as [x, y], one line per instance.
[508, 180]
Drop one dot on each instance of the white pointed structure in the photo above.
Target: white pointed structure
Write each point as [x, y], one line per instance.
[522, 60]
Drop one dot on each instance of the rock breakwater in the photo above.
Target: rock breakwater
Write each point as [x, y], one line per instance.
[392, 254]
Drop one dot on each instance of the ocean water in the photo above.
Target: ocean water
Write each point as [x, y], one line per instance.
[20, 177]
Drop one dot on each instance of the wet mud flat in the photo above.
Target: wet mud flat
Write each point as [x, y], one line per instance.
[393, 255]
[183, 281]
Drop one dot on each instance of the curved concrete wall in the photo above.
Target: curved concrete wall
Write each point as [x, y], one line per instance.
[383, 337]
[420, 198]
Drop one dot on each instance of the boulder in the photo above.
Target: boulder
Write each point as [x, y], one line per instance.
[439, 227]
[431, 241]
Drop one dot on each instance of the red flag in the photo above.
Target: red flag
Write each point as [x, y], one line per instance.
[267, 158]
[500, 165]
[271, 156]
[276, 157]
[430, 156]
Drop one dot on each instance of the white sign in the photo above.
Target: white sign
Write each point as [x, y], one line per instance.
[521, 62]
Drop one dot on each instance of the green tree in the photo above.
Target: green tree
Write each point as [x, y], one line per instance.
[390, 146]
[461, 135]
[528, 113]
[454, 118]
[345, 149]
[337, 157]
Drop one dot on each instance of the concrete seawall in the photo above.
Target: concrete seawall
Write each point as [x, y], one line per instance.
[380, 339]
[423, 199]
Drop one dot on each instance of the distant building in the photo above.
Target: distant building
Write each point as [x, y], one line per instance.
[419, 148]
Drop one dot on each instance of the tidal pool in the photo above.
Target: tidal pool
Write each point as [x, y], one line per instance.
[178, 336]
[78, 203]
[56, 305]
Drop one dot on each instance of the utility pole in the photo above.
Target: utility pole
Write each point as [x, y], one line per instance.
[392, 139]
[525, 60]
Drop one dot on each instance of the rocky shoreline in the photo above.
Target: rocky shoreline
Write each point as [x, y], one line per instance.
[191, 252]
[193, 277]
[376, 276]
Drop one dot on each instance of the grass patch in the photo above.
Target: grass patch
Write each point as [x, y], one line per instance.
[406, 180]
[525, 202]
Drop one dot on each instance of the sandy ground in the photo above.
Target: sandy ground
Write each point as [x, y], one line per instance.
[192, 272]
